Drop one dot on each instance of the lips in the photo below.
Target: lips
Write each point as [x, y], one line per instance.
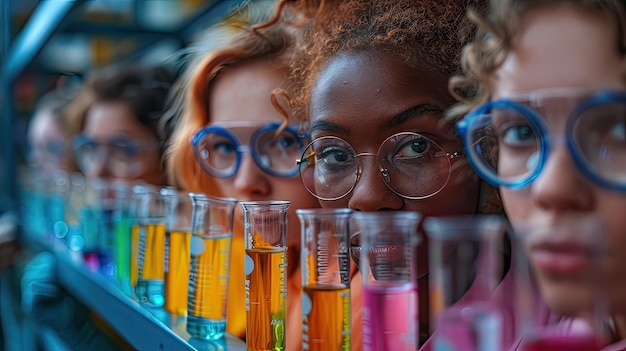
[561, 257]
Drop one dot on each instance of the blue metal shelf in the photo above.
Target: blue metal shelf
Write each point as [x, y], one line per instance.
[142, 328]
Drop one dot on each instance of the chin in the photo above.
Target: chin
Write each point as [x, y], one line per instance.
[567, 297]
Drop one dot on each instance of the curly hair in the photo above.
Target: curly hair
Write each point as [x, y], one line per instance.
[427, 35]
[233, 41]
[495, 38]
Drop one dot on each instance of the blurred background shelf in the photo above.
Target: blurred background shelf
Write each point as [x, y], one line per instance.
[42, 40]
[143, 329]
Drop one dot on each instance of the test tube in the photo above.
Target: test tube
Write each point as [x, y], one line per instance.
[211, 235]
[150, 248]
[122, 222]
[265, 265]
[325, 279]
[178, 211]
[388, 262]
[465, 262]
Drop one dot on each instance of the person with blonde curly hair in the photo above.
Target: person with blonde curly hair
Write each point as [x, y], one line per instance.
[232, 136]
[543, 93]
[372, 83]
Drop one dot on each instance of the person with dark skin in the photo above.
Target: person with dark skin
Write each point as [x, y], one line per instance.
[372, 79]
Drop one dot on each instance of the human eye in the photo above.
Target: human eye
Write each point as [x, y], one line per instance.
[412, 147]
[513, 129]
[518, 135]
[284, 141]
[124, 149]
[335, 157]
[222, 146]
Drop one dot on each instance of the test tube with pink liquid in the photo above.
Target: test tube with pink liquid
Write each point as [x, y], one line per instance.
[387, 253]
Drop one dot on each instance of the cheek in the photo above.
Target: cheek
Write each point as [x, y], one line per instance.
[292, 189]
[221, 187]
[457, 198]
[517, 203]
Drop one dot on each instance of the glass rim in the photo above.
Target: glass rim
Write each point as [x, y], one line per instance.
[303, 160]
[310, 212]
[455, 227]
[202, 197]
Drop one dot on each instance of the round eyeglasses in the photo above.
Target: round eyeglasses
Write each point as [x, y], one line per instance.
[273, 147]
[508, 142]
[411, 165]
[119, 155]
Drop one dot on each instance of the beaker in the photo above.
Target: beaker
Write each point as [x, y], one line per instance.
[211, 235]
[265, 266]
[325, 262]
[388, 264]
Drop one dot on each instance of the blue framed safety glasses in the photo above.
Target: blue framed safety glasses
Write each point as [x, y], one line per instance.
[119, 155]
[273, 147]
[508, 141]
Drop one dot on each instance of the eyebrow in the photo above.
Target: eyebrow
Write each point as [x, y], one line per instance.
[410, 113]
[327, 127]
[395, 120]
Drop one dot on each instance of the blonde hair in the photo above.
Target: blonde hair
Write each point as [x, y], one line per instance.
[233, 41]
[495, 38]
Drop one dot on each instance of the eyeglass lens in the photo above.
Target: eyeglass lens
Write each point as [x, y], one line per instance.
[119, 159]
[410, 164]
[275, 153]
[508, 143]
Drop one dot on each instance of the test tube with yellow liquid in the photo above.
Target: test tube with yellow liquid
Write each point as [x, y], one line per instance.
[325, 279]
[178, 210]
[211, 234]
[265, 265]
[150, 231]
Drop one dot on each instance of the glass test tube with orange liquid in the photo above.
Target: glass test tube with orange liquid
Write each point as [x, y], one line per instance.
[325, 279]
[265, 265]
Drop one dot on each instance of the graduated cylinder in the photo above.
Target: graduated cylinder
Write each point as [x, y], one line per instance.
[325, 279]
[265, 265]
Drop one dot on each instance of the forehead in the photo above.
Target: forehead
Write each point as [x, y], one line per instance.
[561, 46]
[113, 117]
[243, 92]
[360, 92]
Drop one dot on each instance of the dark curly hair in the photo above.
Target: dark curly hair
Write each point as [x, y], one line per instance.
[425, 35]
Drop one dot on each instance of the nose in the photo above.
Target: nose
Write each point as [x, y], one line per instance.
[370, 192]
[561, 187]
[250, 179]
[98, 165]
